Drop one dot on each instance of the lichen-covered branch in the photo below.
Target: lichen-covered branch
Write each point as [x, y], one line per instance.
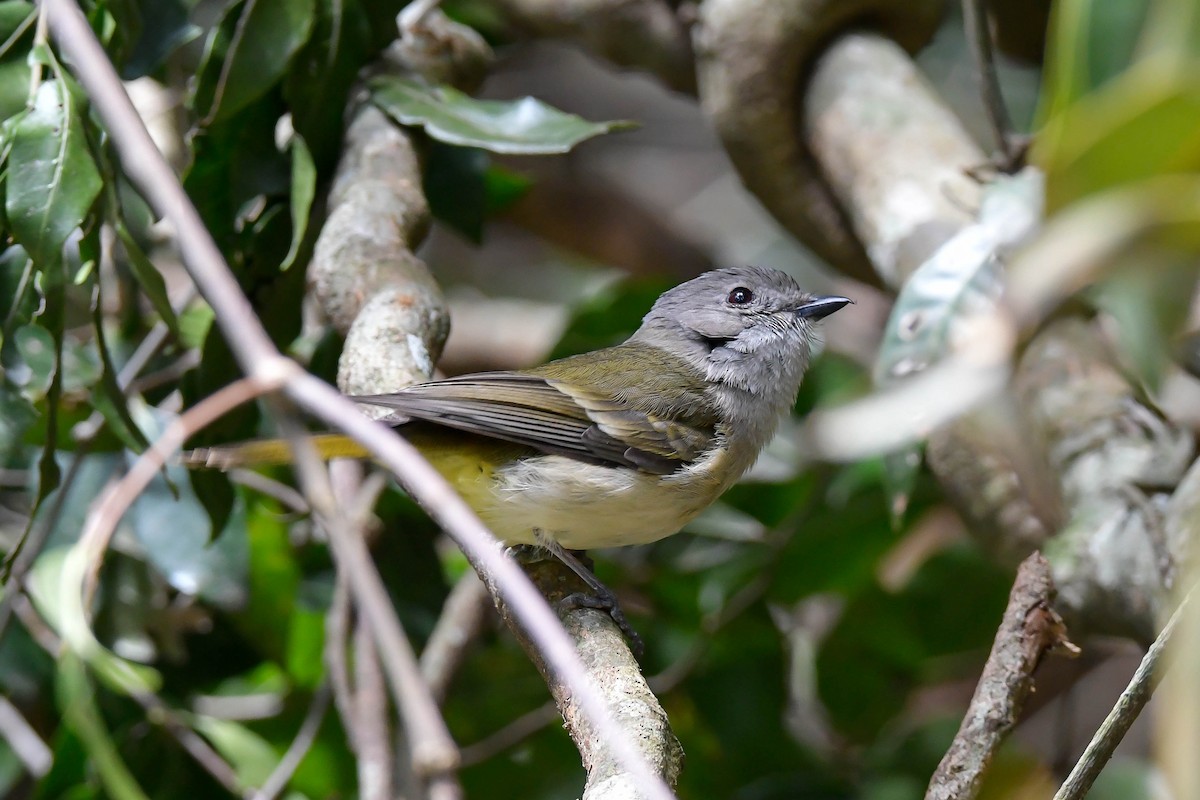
[894, 154]
[1073, 461]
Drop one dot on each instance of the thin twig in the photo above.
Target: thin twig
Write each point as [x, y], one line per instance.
[376, 772]
[369, 706]
[200, 750]
[337, 636]
[1030, 628]
[152, 175]
[103, 517]
[1100, 749]
[979, 37]
[284, 494]
[463, 616]
[305, 736]
[23, 740]
[434, 751]
[510, 735]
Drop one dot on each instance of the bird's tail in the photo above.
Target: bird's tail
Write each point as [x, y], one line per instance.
[267, 452]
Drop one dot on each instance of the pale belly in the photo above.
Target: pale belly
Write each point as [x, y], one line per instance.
[584, 506]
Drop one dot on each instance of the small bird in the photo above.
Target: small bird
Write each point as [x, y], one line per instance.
[618, 446]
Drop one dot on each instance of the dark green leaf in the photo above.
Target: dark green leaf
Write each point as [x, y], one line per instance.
[18, 297]
[16, 36]
[52, 179]
[109, 398]
[518, 127]
[610, 317]
[504, 187]
[148, 277]
[175, 535]
[118, 23]
[455, 187]
[317, 85]
[304, 188]
[165, 28]
[234, 163]
[248, 52]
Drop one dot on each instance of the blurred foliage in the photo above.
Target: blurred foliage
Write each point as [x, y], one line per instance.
[801, 619]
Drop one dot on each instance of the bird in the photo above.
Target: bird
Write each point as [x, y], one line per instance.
[619, 446]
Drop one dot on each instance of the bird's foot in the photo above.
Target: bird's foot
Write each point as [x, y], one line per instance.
[599, 596]
[606, 601]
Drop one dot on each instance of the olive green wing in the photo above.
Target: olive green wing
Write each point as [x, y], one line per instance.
[551, 416]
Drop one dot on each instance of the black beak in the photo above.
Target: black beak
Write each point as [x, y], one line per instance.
[821, 307]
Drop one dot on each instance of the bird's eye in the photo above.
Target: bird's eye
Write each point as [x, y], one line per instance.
[740, 296]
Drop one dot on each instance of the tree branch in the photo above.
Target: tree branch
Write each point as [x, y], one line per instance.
[754, 59]
[1029, 630]
[463, 617]
[1102, 746]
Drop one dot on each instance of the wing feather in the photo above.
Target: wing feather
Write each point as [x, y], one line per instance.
[546, 415]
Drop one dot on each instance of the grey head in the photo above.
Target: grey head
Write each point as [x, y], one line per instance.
[750, 331]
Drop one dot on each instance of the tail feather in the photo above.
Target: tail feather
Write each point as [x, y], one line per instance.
[268, 452]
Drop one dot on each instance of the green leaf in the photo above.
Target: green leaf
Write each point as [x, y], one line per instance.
[304, 188]
[247, 53]
[52, 179]
[56, 588]
[504, 187]
[174, 533]
[1089, 43]
[16, 36]
[148, 277]
[455, 187]
[321, 75]
[77, 702]
[251, 756]
[109, 398]
[17, 415]
[464, 187]
[517, 127]
[609, 317]
[165, 28]
[1172, 32]
[1139, 125]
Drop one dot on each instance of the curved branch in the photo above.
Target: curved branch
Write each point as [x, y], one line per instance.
[635, 33]
[754, 58]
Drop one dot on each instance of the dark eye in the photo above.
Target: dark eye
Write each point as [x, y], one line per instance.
[740, 296]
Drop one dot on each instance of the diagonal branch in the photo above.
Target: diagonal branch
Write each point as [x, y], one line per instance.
[1029, 630]
[1102, 746]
